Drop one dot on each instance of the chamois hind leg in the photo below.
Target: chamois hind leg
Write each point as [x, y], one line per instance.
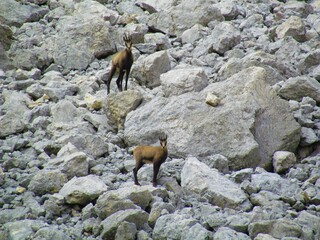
[119, 80]
[135, 172]
[113, 70]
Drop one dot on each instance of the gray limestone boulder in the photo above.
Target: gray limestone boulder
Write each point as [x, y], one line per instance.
[245, 127]
[293, 27]
[47, 181]
[118, 105]
[111, 224]
[89, 18]
[198, 178]
[283, 160]
[172, 226]
[83, 190]
[224, 37]
[227, 233]
[147, 70]
[15, 113]
[179, 81]
[13, 13]
[276, 228]
[298, 87]
[176, 19]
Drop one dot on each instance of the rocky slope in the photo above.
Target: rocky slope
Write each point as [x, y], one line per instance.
[234, 84]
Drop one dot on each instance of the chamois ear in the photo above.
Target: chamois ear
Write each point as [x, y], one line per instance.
[163, 137]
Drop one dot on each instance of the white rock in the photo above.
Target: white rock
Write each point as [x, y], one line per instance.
[83, 190]
[283, 160]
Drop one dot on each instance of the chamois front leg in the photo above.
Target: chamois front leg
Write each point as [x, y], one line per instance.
[135, 172]
[127, 77]
[156, 168]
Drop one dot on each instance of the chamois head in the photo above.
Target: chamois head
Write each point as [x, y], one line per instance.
[150, 154]
[128, 42]
[163, 140]
[121, 61]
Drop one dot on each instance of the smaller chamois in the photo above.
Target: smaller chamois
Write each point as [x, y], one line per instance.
[121, 61]
[155, 155]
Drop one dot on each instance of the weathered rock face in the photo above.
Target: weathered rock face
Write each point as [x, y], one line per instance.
[199, 178]
[118, 105]
[179, 81]
[147, 70]
[83, 190]
[90, 18]
[247, 104]
[183, 16]
[16, 113]
[234, 84]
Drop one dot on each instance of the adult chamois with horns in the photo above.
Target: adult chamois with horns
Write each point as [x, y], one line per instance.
[122, 62]
[155, 155]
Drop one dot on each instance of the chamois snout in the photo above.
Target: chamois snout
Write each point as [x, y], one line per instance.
[122, 62]
[155, 155]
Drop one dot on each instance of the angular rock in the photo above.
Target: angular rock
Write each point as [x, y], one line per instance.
[15, 13]
[111, 223]
[90, 18]
[50, 233]
[22, 229]
[224, 37]
[293, 27]
[310, 225]
[156, 211]
[126, 230]
[179, 81]
[108, 204]
[176, 19]
[64, 112]
[276, 228]
[308, 136]
[227, 233]
[197, 231]
[11, 215]
[72, 165]
[83, 190]
[198, 178]
[118, 105]
[160, 40]
[147, 70]
[172, 226]
[47, 181]
[16, 113]
[272, 182]
[298, 87]
[193, 34]
[283, 160]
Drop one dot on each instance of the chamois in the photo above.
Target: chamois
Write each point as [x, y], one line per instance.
[155, 155]
[121, 61]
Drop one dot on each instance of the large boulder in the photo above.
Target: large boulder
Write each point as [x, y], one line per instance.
[90, 18]
[110, 224]
[178, 81]
[47, 181]
[15, 113]
[147, 70]
[14, 13]
[198, 178]
[298, 87]
[83, 190]
[176, 19]
[245, 127]
[118, 105]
